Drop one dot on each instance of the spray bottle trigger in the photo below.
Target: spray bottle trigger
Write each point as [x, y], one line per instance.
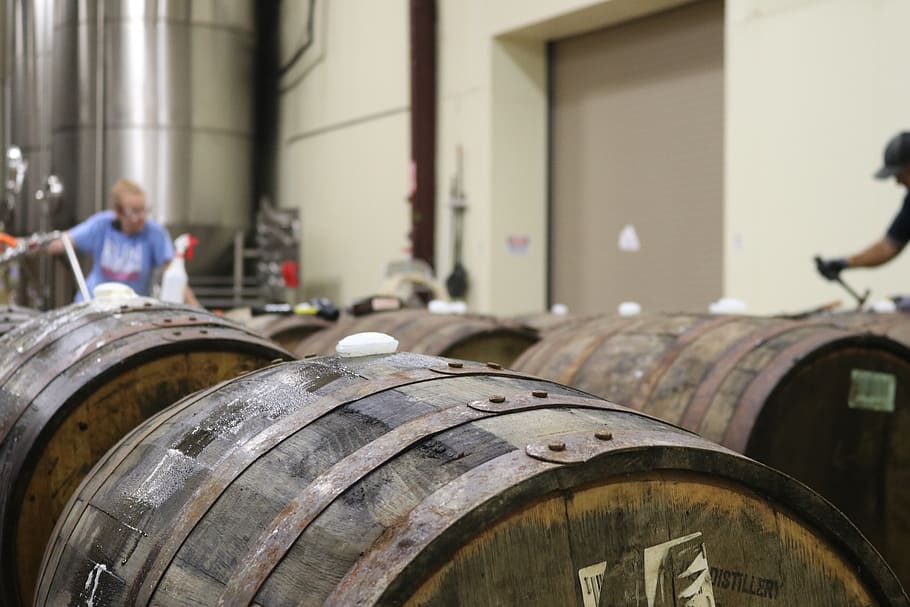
[192, 241]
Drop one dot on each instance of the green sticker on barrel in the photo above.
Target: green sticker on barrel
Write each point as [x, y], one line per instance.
[872, 390]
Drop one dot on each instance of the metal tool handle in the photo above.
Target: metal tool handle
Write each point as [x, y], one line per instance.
[860, 299]
[74, 264]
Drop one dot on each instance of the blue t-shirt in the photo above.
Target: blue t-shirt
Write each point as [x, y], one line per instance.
[118, 257]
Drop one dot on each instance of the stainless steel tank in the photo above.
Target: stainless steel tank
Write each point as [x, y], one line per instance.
[29, 34]
[159, 91]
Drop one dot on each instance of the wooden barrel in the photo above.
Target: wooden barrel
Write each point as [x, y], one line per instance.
[827, 404]
[895, 325]
[11, 316]
[288, 330]
[463, 336]
[544, 322]
[73, 381]
[405, 479]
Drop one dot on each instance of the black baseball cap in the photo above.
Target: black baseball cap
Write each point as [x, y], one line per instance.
[897, 156]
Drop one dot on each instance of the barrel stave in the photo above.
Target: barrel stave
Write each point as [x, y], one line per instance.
[675, 387]
[353, 522]
[311, 451]
[288, 330]
[105, 415]
[219, 426]
[561, 356]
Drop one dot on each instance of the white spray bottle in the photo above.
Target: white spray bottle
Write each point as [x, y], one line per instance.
[174, 281]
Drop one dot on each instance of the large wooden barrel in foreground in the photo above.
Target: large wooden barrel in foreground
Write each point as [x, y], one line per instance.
[75, 380]
[827, 404]
[464, 336]
[405, 479]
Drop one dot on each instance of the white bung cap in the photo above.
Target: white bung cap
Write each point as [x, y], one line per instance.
[438, 306]
[366, 344]
[884, 306]
[113, 291]
[559, 308]
[727, 305]
[629, 308]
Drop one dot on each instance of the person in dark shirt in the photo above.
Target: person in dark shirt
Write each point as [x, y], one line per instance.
[883, 250]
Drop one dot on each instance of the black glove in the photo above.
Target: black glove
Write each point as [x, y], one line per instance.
[830, 268]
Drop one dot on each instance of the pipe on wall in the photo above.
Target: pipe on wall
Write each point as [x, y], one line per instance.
[423, 128]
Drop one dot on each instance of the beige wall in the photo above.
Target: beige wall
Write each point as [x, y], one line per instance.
[344, 142]
[813, 92]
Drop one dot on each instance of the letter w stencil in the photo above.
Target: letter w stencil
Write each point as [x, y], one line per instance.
[680, 564]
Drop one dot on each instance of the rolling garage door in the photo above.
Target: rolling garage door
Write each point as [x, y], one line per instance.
[637, 163]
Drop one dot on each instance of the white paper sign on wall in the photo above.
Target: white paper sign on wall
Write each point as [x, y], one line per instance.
[628, 239]
[518, 244]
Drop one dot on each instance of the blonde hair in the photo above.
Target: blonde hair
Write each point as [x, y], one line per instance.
[124, 186]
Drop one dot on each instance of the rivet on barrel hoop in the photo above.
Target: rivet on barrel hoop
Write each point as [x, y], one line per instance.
[603, 435]
[539, 393]
[556, 446]
[494, 365]
[167, 320]
[456, 365]
[497, 399]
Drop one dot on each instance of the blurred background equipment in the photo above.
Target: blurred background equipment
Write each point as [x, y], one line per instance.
[16, 166]
[264, 269]
[165, 98]
[412, 281]
[457, 281]
[278, 245]
[165, 94]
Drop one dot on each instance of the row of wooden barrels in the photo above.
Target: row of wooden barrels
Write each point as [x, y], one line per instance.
[156, 454]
